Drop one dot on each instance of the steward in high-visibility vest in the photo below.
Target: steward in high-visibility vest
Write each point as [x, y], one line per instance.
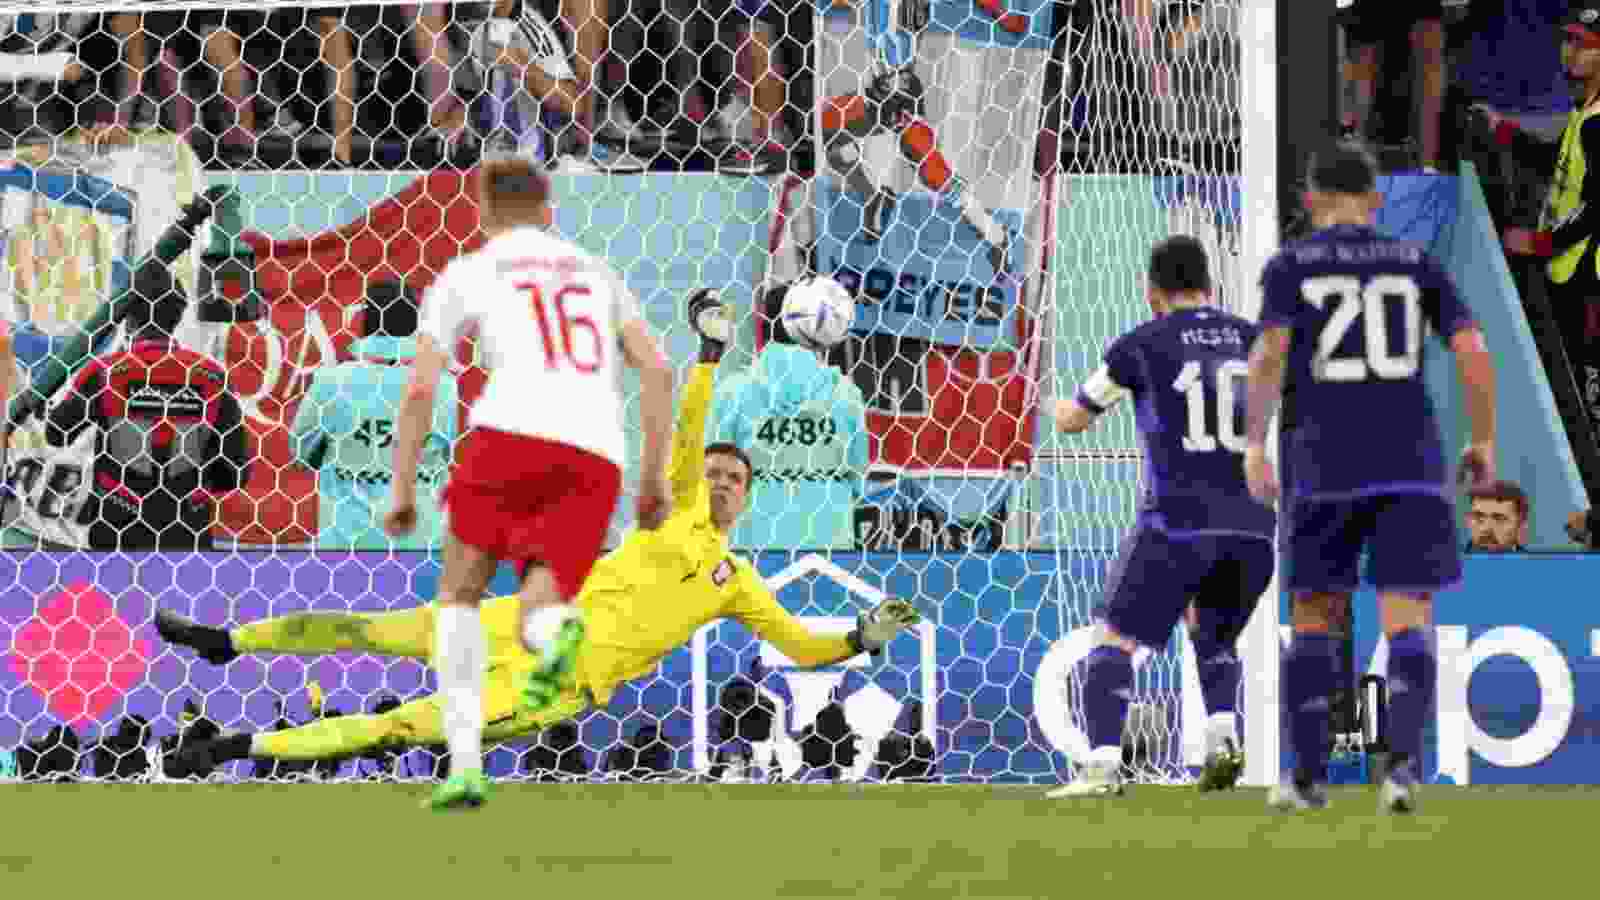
[1569, 225]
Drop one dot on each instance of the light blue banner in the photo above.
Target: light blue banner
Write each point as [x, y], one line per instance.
[668, 234]
[928, 277]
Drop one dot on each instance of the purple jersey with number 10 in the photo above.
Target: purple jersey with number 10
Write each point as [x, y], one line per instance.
[1356, 419]
[1186, 372]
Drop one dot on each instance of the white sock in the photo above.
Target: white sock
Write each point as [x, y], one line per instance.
[1220, 728]
[461, 659]
[1106, 757]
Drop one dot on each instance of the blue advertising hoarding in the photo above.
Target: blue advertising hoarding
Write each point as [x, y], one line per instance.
[1519, 679]
[986, 678]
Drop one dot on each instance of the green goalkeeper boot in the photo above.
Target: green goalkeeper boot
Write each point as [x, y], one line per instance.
[462, 790]
[556, 665]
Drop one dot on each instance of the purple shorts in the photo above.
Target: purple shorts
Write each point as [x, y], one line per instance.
[1409, 539]
[1156, 575]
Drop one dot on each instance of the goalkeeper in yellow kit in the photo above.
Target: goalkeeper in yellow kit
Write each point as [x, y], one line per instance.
[639, 603]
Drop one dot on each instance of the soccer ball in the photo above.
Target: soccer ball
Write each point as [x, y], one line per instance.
[817, 312]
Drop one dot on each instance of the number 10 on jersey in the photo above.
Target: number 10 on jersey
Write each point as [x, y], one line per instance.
[1192, 384]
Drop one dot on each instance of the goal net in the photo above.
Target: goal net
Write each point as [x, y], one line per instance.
[984, 177]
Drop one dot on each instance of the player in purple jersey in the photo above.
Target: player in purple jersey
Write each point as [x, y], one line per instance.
[1200, 536]
[1341, 345]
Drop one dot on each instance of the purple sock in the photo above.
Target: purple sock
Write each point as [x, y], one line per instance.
[1107, 685]
[1308, 677]
[1413, 671]
[1219, 672]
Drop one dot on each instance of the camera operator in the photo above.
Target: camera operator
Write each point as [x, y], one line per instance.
[171, 434]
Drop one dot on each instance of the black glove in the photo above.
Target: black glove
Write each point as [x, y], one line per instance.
[713, 321]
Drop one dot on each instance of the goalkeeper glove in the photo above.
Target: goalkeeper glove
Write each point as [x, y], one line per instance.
[876, 628]
[711, 319]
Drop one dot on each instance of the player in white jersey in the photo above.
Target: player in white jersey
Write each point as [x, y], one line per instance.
[537, 476]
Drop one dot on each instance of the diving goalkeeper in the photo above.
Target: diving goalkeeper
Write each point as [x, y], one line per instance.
[640, 602]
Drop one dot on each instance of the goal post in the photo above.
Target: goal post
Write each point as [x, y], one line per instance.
[993, 236]
[1260, 647]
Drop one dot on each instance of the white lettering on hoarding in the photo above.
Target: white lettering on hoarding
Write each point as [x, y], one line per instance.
[1459, 734]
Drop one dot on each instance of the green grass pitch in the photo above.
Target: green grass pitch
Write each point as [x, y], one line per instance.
[749, 842]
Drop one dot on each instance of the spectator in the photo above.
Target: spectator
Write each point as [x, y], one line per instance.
[803, 423]
[526, 68]
[1571, 214]
[710, 53]
[1379, 32]
[210, 39]
[1197, 80]
[447, 115]
[336, 44]
[39, 68]
[1507, 69]
[1584, 528]
[344, 430]
[37, 46]
[1497, 518]
[170, 434]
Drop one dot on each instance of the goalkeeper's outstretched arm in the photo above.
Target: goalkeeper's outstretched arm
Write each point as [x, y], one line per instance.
[687, 471]
[757, 609]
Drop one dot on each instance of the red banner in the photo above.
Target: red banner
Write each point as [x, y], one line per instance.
[976, 415]
[314, 287]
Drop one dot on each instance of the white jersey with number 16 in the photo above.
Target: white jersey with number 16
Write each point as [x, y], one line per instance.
[548, 318]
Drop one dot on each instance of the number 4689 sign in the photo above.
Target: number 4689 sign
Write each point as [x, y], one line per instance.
[806, 431]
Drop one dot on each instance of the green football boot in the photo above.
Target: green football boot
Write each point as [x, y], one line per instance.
[556, 665]
[462, 790]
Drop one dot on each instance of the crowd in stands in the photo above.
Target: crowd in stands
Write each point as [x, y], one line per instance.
[296, 85]
[1428, 83]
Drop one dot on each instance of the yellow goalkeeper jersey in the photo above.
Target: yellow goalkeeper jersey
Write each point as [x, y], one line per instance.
[648, 597]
